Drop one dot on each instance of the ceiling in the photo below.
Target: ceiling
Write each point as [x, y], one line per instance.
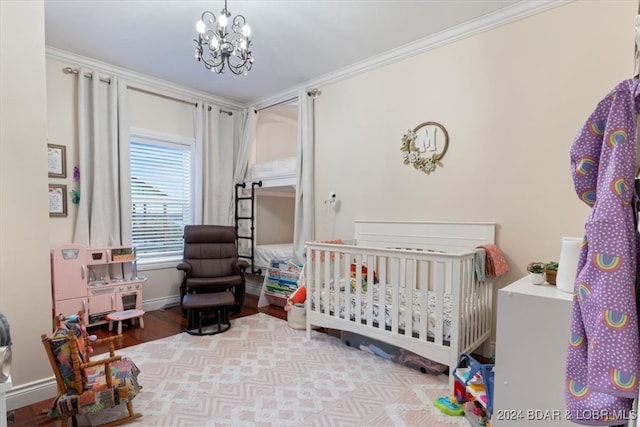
[294, 41]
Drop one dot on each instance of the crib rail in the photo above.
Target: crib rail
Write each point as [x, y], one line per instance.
[371, 291]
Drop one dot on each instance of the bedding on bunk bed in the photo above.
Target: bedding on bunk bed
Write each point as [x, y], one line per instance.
[263, 254]
[280, 167]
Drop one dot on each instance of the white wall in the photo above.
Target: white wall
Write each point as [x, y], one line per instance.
[512, 100]
[274, 219]
[161, 115]
[276, 133]
[25, 293]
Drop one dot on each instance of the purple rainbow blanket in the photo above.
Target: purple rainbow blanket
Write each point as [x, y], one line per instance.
[603, 355]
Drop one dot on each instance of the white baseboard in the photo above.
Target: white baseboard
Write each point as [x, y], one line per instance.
[30, 393]
[160, 303]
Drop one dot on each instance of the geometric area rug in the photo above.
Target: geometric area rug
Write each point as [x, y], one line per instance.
[261, 372]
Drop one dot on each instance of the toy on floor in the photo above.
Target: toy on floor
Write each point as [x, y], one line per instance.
[74, 321]
[481, 414]
[449, 405]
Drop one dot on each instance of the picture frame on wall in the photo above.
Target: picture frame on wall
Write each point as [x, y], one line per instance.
[57, 200]
[57, 160]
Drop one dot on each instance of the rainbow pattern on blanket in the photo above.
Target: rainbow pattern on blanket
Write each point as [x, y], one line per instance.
[585, 165]
[615, 320]
[616, 137]
[589, 197]
[576, 389]
[619, 186]
[576, 340]
[605, 262]
[597, 128]
[583, 291]
[623, 380]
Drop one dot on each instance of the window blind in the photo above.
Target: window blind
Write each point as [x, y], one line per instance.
[161, 199]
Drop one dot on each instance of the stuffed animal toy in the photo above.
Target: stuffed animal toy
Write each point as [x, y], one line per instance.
[364, 272]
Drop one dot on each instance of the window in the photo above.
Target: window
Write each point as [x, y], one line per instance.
[161, 197]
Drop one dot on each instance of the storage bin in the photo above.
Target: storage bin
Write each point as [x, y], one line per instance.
[275, 299]
[297, 316]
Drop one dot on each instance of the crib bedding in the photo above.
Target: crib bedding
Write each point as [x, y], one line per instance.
[416, 297]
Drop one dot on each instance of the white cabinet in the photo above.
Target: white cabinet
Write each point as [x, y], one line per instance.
[531, 344]
[97, 281]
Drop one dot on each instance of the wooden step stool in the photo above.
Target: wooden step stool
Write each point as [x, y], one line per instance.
[119, 316]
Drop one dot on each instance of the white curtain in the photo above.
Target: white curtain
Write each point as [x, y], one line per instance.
[304, 225]
[207, 144]
[227, 138]
[247, 138]
[104, 214]
[214, 146]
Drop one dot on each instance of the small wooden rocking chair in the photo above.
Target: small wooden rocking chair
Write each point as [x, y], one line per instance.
[86, 386]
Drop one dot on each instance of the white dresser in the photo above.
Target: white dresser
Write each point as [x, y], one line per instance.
[531, 344]
[4, 388]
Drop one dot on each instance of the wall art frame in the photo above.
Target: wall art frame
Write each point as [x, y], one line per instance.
[424, 146]
[57, 161]
[57, 200]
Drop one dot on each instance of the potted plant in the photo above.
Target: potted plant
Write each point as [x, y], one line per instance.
[551, 271]
[536, 272]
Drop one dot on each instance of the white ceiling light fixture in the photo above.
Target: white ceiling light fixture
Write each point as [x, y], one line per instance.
[220, 48]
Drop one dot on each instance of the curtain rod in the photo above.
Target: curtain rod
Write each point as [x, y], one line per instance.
[69, 70]
[286, 101]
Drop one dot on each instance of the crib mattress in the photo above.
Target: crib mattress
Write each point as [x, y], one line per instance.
[415, 307]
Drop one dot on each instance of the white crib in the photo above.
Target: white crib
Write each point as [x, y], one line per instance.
[428, 263]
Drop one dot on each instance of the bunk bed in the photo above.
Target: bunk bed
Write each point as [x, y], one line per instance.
[273, 178]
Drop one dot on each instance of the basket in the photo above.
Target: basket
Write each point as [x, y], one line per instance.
[550, 276]
[297, 316]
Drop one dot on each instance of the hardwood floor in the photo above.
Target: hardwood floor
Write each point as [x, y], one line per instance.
[157, 324]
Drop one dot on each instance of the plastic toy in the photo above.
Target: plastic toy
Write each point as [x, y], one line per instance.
[479, 412]
[299, 296]
[449, 406]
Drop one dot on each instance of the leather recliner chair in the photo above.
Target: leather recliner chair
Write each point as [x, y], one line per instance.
[210, 262]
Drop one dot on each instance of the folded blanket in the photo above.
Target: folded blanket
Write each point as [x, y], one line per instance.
[496, 264]
[479, 262]
[332, 254]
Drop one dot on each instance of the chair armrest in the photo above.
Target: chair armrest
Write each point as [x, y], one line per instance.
[109, 341]
[242, 264]
[184, 266]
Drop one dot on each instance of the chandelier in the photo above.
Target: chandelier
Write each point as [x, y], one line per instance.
[220, 48]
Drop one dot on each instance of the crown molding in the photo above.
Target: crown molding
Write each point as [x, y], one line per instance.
[142, 81]
[516, 12]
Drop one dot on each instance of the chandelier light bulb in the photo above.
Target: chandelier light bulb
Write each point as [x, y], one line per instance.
[200, 27]
[215, 43]
[223, 18]
[246, 30]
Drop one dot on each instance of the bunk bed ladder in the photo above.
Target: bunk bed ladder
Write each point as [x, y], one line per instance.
[251, 219]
